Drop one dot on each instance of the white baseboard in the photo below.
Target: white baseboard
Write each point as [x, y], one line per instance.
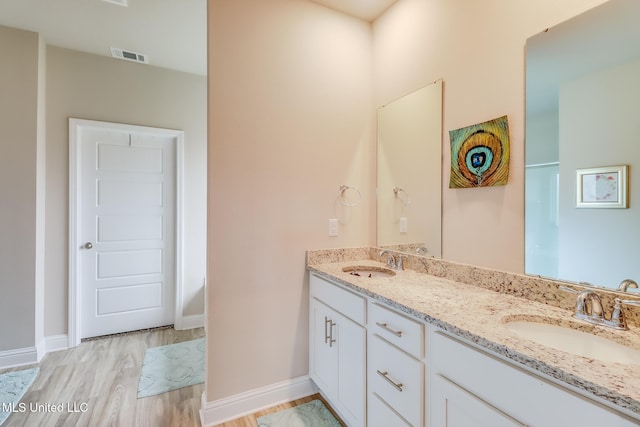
[31, 355]
[190, 322]
[239, 405]
[18, 357]
[57, 343]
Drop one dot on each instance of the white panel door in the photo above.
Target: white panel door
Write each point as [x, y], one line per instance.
[126, 232]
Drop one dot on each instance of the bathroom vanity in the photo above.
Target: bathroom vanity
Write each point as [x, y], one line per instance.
[410, 348]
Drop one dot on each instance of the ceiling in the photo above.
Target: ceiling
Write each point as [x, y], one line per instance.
[367, 10]
[172, 33]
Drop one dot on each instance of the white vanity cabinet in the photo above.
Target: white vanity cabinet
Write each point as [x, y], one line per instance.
[380, 367]
[470, 387]
[337, 348]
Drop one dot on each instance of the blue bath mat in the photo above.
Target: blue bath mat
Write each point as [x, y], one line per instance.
[13, 385]
[171, 367]
[312, 414]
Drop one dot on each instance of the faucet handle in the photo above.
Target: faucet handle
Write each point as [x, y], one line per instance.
[618, 313]
[567, 289]
[618, 320]
[617, 316]
[629, 302]
[399, 265]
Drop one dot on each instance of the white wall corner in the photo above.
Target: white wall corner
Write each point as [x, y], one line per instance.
[239, 405]
[57, 343]
[41, 349]
[190, 322]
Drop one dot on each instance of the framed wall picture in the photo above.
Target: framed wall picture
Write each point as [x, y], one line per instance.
[604, 187]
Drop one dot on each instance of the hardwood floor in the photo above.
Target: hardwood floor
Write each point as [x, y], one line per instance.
[97, 385]
[251, 420]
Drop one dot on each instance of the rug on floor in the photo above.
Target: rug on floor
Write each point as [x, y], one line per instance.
[311, 414]
[171, 367]
[13, 385]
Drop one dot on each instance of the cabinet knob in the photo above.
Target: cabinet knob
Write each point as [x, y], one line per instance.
[88, 245]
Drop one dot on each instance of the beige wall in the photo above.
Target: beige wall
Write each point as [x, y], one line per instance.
[289, 122]
[40, 88]
[18, 162]
[93, 87]
[290, 115]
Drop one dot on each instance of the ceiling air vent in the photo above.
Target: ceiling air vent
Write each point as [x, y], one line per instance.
[124, 3]
[129, 55]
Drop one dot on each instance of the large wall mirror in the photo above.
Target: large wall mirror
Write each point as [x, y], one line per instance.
[409, 173]
[582, 106]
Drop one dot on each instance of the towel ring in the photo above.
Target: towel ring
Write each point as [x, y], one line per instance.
[346, 201]
[402, 195]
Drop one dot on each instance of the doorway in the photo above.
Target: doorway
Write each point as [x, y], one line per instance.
[125, 255]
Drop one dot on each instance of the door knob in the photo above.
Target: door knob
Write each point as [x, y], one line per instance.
[88, 245]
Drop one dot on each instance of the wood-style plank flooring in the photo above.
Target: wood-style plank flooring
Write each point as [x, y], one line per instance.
[251, 420]
[100, 377]
[97, 385]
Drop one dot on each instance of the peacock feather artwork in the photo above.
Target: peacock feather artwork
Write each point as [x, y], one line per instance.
[480, 154]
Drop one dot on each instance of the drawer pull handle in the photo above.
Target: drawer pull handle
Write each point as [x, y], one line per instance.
[328, 331]
[387, 328]
[385, 375]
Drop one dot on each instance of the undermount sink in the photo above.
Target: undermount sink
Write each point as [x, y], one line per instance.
[368, 271]
[573, 341]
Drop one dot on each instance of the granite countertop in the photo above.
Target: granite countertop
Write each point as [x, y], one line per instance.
[479, 315]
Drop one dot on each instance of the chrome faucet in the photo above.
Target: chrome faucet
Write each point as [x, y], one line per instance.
[393, 261]
[589, 308]
[626, 284]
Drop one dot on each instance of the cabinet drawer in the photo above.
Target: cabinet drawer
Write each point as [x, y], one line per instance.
[347, 303]
[397, 378]
[397, 329]
[381, 415]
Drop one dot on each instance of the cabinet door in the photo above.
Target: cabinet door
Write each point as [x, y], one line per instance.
[381, 415]
[351, 340]
[323, 352]
[454, 406]
[510, 390]
[337, 361]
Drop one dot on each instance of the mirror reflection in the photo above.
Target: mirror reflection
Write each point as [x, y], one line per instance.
[583, 95]
[409, 173]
